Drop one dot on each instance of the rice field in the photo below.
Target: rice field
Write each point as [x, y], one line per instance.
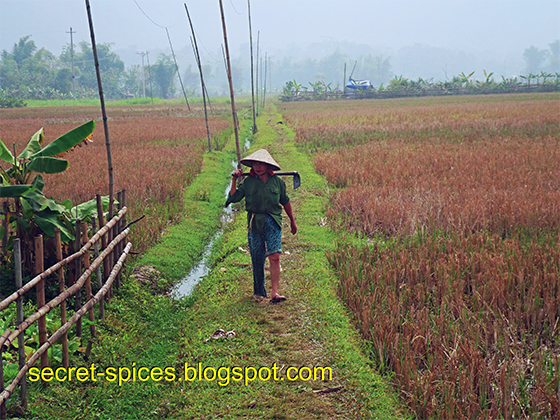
[455, 285]
[156, 151]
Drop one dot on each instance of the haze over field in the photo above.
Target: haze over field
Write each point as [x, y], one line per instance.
[429, 39]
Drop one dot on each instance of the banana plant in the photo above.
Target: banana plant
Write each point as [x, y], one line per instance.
[466, 78]
[488, 76]
[33, 212]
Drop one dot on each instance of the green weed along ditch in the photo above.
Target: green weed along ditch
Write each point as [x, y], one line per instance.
[457, 289]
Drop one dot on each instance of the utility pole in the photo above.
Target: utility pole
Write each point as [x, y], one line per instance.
[72, 54]
[142, 53]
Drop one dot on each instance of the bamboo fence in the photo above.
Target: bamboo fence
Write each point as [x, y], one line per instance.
[111, 255]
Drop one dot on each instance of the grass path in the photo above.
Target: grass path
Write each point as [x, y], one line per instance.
[310, 330]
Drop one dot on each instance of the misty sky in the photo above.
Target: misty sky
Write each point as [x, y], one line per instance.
[471, 26]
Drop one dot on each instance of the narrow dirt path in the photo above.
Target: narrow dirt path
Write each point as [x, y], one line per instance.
[310, 330]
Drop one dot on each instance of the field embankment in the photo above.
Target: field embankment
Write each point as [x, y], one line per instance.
[456, 283]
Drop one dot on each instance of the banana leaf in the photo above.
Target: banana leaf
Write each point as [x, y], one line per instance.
[48, 165]
[15, 190]
[37, 201]
[5, 153]
[38, 183]
[33, 145]
[89, 208]
[67, 141]
[48, 221]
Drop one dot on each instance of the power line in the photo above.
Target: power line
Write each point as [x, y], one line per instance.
[234, 7]
[151, 20]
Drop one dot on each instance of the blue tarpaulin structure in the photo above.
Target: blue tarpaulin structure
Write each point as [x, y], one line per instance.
[359, 84]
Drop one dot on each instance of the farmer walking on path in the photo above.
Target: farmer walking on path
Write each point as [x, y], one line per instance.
[265, 196]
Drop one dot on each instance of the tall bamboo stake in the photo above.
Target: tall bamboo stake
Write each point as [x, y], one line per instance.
[197, 58]
[177, 68]
[264, 83]
[233, 112]
[252, 83]
[103, 111]
[258, 35]
[204, 93]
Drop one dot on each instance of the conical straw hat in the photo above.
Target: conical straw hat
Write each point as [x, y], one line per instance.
[263, 156]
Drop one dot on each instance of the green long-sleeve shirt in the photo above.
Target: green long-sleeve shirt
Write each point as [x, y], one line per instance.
[261, 199]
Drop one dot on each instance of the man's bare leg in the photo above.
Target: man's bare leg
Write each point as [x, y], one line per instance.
[275, 275]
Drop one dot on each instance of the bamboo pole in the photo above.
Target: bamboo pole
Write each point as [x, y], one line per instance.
[33, 282]
[258, 36]
[4, 395]
[45, 309]
[344, 84]
[61, 287]
[255, 129]
[264, 83]
[103, 111]
[20, 315]
[177, 68]
[203, 87]
[39, 268]
[233, 112]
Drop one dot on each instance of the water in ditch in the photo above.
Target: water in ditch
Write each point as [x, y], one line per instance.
[187, 284]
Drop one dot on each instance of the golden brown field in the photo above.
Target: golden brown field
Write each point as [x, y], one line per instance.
[456, 283]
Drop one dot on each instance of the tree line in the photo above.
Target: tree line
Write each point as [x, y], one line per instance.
[27, 72]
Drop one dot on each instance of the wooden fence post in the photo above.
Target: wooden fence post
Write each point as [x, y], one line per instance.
[39, 268]
[98, 271]
[78, 265]
[61, 287]
[3, 413]
[106, 268]
[91, 316]
[5, 226]
[19, 303]
[119, 247]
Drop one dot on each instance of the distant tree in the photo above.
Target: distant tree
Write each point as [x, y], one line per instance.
[554, 57]
[191, 78]
[110, 66]
[164, 76]
[534, 59]
[22, 50]
[63, 80]
[132, 81]
[27, 68]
